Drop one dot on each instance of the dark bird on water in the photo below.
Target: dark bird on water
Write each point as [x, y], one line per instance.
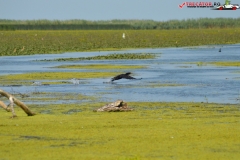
[121, 76]
[219, 50]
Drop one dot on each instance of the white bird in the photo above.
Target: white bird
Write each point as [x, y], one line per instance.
[37, 84]
[123, 36]
[75, 81]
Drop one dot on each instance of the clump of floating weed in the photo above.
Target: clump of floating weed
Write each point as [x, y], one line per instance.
[101, 66]
[109, 57]
[56, 75]
[227, 64]
[200, 63]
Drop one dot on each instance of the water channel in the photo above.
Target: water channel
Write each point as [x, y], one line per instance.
[179, 68]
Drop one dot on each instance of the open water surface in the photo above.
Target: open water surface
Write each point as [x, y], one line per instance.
[173, 66]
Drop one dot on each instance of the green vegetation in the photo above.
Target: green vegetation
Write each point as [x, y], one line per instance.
[101, 66]
[152, 131]
[227, 64]
[14, 43]
[43, 98]
[118, 24]
[109, 57]
[56, 75]
[64, 26]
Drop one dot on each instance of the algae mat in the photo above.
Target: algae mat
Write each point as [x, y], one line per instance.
[151, 131]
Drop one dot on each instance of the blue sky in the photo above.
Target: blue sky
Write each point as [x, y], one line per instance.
[159, 10]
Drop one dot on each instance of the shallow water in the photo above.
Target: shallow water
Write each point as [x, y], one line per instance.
[206, 83]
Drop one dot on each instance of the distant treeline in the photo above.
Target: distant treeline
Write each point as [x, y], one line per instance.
[63, 26]
[118, 24]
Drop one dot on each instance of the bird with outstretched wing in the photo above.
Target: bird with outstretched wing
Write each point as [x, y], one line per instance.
[123, 76]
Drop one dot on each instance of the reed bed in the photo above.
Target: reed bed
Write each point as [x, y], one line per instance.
[79, 24]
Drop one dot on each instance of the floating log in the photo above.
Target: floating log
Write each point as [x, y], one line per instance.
[13, 100]
[117, 106]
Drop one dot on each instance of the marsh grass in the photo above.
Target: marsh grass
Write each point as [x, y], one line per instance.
[154, 130]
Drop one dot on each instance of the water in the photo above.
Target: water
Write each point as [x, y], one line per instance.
[206, 83]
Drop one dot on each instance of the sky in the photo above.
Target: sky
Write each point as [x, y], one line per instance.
[94, 10]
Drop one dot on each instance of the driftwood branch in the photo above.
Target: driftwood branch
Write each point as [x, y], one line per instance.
[4, 106]
[13, 100]
[117, 106]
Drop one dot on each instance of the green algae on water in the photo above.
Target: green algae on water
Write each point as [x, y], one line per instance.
[154, 130]
[101, 66]
[114, 56]
[56, 75]
[227, 63]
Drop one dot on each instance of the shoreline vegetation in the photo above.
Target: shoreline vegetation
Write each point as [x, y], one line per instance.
[30, 42]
